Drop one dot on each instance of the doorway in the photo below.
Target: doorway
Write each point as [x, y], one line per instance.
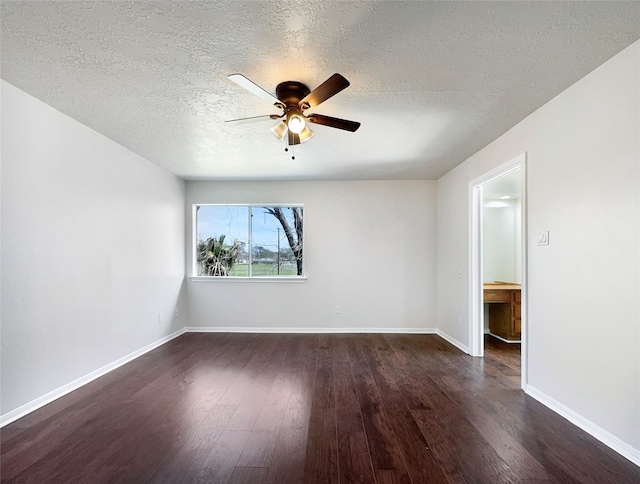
[498, 268]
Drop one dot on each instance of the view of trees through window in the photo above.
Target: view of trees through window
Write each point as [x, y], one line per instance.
[246, 241]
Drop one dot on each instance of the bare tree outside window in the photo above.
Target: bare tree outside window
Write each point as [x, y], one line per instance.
[291, 223]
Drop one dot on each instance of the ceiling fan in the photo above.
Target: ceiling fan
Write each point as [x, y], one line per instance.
[294, 98]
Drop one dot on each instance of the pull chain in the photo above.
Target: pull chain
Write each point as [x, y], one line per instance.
[286, 148]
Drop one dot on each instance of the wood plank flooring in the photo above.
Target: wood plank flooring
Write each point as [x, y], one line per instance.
[278, 408]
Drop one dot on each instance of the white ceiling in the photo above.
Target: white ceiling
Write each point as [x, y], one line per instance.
[431, 82]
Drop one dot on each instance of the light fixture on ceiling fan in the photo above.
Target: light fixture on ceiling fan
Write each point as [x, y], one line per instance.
[294, 98]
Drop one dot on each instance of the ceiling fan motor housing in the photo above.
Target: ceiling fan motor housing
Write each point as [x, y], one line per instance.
[291, 93]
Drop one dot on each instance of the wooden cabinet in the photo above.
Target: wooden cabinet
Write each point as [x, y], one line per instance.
[504, 310]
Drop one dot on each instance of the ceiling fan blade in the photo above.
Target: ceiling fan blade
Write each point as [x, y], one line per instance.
[324, 91]
[333, 122]
[252, 87]
[294, 139]
[252, 119]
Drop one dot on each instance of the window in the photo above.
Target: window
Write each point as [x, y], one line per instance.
[248, 240]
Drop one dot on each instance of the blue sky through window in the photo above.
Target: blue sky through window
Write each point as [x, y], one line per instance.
[233, 222]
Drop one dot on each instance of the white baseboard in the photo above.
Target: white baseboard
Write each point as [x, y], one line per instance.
[39, 402]
[453, 341]
[621, 447]
[261, 329]
[502, 339]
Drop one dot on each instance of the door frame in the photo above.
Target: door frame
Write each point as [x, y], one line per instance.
[476, 306]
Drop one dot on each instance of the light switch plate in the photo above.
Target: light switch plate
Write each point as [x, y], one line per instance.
[543, 238]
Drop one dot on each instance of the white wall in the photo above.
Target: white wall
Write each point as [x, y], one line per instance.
[92, 250]
[370, 247]
[583, 152]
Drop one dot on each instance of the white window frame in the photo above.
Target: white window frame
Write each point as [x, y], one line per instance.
[250, 278]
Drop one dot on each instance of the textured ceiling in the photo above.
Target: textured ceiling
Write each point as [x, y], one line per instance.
[431, 82]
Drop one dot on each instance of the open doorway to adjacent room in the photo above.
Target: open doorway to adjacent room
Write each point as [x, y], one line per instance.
[497, 267]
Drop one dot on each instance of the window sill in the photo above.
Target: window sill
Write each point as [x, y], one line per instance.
[223, 279]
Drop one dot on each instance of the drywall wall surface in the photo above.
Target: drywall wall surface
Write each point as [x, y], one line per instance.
[369, 248]
[583, 152]
[92, 250]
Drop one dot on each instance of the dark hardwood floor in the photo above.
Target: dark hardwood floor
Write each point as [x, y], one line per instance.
[247, 408]
[506, 356]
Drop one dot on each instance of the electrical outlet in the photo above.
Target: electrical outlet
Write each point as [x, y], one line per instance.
[176, 313]
[337, 309]
[159, 317]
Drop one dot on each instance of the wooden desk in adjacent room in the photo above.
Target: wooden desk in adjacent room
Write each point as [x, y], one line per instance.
[504, 309]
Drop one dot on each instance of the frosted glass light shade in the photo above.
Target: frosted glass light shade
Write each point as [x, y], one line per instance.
[305, 134]
[296, 123]
[280, 130]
